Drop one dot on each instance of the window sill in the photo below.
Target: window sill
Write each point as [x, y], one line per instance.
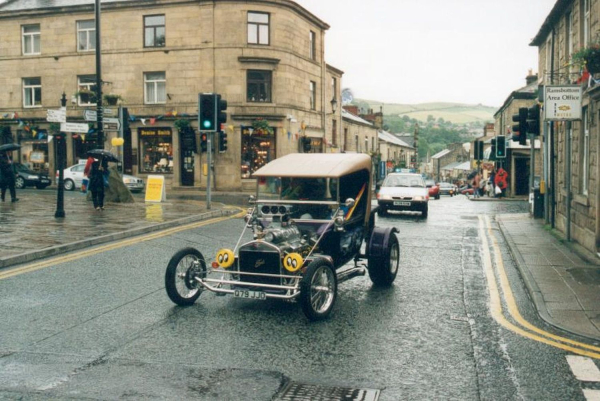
[581, 200]
[32, 107]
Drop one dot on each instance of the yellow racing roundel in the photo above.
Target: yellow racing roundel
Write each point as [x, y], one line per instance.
[225, 258]
[293, 262]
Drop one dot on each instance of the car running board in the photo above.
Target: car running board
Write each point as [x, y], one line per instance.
[350, 273]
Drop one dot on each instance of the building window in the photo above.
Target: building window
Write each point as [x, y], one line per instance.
[32, 92]
[356, 146]
[259, 86]
[548, 57]
[313, 45]
[313, 95]
[86, 95]
[86, 35]
[334, 88]
[258, 149]
[155, 88]
[258, 28]
[156, 149]
[31, 39]
[334, 140]
[154, 31]
[345, 144]
[373, 144]
[584, 148]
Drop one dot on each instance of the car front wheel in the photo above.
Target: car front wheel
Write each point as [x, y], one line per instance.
[425, 211]
[19, 182]
[180, 283]
[69, 185]
[318, 290]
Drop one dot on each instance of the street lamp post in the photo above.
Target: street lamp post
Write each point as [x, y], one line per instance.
[60, 144]
[333, 110]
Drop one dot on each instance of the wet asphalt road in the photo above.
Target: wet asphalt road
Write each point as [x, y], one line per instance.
[102, 327]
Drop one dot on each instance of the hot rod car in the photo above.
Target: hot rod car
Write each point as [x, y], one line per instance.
[310, 217]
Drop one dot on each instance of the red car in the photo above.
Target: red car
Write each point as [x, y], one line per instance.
[434, 189]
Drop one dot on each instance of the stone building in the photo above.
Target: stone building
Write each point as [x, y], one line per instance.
[517, 161]
[266, 58]
[571, 171]
[359, 134]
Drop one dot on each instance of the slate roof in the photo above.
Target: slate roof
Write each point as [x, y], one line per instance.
[391, 138]
[440, 154]
[349, 116]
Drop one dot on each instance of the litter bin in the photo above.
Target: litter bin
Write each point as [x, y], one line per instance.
[538, 204]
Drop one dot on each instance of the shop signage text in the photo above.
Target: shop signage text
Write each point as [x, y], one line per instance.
[562, 102]
[155, 131]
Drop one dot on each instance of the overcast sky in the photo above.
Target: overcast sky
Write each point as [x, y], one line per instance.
[416, 51]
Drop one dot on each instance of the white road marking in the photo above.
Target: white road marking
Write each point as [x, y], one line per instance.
[591, 395]
[584, 368]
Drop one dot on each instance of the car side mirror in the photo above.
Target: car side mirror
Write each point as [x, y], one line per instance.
[349, 202]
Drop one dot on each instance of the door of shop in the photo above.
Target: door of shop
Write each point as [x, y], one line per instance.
[188, 146]
[521, 176]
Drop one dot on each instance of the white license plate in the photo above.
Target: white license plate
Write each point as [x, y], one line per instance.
[401, 203]
[250, 294]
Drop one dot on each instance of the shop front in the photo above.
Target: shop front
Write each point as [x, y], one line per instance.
[258, 149]
[155, 150]
[34, 150]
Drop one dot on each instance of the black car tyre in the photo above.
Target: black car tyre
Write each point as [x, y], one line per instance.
[437, 196]
[19, 182]
[381, 211]
[425, 211]
[383, 269]
[69, 185]
[318, 290]
[183, 267]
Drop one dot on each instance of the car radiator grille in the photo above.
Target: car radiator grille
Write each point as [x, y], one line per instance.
[260, 261]
[402, 197]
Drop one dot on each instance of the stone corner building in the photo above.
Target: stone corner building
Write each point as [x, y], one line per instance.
[571, 168]
[266, 58]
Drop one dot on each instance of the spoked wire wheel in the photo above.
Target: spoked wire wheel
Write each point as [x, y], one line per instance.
[318, 290]
[183, 268]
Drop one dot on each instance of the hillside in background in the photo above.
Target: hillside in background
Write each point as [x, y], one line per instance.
[454, 112]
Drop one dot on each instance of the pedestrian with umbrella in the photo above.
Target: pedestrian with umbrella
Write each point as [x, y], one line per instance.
[96, 168]
[7, 172]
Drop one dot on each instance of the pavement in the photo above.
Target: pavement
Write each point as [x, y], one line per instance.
[562, 279]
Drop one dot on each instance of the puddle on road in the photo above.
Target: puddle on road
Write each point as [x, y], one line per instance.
[154, 213]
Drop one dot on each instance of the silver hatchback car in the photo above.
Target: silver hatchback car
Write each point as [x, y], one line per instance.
[73, 177]
[403, 191]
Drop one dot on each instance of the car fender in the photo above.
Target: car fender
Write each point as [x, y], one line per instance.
[378, 242]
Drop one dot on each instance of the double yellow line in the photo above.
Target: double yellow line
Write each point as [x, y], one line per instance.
[108, 247]
[524, 328]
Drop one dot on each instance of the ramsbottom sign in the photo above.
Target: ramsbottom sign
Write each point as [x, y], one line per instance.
[562, 102]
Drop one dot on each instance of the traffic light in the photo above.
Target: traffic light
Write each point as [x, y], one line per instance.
[500, 147]
[221, 115]
[519, 131]
[478, 150]
[203, 142]
[208, 112]
[533, 120]
[222, 141]
[493, 149]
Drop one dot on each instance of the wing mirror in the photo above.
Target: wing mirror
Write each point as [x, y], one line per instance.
[349, 202]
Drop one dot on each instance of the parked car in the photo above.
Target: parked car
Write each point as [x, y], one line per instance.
[434, 189]
[309, 219]
[403, 191]
[467, 190]
[447, 188]
[26, 177]
[73, 176]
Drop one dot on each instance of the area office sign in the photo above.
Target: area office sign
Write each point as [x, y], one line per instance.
[562, 102]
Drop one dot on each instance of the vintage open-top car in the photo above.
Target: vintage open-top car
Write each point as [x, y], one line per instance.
[310, 217]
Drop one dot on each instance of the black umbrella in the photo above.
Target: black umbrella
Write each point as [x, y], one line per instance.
[472, 175]
[104, 154]
[9, 147]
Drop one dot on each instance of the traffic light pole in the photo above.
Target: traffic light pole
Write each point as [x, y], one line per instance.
[209, 138]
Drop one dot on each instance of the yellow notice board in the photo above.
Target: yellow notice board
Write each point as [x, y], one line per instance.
[155, 189]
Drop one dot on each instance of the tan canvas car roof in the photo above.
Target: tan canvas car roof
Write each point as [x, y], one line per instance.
[314, 165]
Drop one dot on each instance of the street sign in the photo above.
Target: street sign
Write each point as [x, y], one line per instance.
[74, 127]
[90, 115]
[109, 112]
[111, 124]
[56, 116]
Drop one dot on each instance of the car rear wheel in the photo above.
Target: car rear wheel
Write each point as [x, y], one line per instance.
[318, 290]
[19, 182]
[180, 283]
[381, 211]
[383, 269]
[425, 212]
[69, 185]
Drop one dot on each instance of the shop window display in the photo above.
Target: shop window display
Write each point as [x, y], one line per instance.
[156, 150]
[258, 148]
[34, 150]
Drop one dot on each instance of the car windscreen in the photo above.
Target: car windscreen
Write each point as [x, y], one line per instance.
[408, 181]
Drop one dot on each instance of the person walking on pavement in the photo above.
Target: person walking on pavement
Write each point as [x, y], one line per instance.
[95, 170]
[7, 177]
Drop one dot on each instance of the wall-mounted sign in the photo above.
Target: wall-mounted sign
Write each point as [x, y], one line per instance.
[562, 102]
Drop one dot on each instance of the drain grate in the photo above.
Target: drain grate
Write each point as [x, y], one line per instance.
[310, 392]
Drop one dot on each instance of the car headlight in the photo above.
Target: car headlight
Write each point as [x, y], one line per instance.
[419, 198]
[33, 177]
[225, 258]
[384, 197]
[128, 181]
